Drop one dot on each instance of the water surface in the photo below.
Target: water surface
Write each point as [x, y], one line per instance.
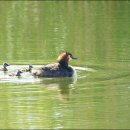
[34, 32]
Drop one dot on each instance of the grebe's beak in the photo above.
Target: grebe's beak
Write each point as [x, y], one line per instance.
[72, 56]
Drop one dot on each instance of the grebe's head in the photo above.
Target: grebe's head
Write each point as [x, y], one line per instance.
[65, 56]
[71, 56]
[5, 65]
[19, 72]
[30, 67]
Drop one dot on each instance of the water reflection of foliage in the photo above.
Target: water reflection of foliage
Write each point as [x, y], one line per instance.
[61, 85]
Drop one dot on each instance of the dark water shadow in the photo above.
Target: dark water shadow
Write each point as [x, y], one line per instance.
[61, 85]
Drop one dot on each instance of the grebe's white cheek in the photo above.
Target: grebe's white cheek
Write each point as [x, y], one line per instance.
[70, 58]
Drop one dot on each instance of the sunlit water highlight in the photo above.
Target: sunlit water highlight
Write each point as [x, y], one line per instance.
[27, 77]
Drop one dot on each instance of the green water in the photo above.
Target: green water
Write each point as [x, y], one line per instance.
[98, 33]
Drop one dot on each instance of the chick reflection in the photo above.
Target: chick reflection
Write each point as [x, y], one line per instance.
[61, 85]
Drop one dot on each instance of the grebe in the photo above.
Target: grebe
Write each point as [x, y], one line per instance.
[27, 69]
[4, 67]
[60, 69]
[19, 72]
